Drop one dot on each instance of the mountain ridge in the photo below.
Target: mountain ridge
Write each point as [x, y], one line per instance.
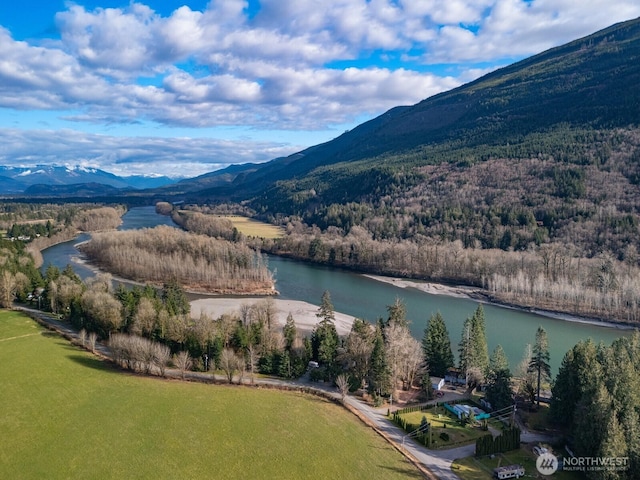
[19, 180]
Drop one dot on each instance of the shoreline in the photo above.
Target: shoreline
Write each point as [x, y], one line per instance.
[303, 313]
[306, 319]
[478, 295]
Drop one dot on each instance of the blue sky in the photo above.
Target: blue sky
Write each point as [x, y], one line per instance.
[186, 87]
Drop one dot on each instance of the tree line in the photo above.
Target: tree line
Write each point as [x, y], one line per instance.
[199, 262]
[552, 276]
[596, 396]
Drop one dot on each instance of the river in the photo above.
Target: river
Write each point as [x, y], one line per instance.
[366, 298]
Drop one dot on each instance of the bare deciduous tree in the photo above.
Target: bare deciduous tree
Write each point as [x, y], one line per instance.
[230, 363]
[161, 357]
[342, 383]
[183, 362]
[144, 320]
[91, 341]
[7, 288]
[103, 309]
[197, 261]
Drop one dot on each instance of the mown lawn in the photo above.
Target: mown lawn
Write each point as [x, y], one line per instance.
[443, 421]
[65, 414]
[472, 468]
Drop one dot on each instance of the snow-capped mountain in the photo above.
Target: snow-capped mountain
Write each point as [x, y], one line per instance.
[18, 179]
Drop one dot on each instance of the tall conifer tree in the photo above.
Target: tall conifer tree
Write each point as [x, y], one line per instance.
[436, 346]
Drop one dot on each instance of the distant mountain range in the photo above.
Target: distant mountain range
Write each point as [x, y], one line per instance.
[60, 180]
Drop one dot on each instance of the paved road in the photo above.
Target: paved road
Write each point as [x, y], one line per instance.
[438, 462]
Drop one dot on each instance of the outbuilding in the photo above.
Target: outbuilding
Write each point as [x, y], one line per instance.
[509, 471]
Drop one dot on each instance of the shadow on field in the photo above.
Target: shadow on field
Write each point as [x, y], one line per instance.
[408, 472]
[92, 362]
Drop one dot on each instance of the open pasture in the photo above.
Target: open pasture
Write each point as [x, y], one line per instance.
[254, 228]
[66, 414]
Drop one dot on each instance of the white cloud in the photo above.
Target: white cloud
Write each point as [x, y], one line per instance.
[177, 157]
[277, 70]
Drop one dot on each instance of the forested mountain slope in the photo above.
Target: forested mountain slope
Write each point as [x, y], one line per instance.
[547, 148]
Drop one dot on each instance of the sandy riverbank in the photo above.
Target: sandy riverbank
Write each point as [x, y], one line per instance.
[478, 295]
[432, 288]
[303, 313]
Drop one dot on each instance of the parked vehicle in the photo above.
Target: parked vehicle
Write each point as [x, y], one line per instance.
[509, 471]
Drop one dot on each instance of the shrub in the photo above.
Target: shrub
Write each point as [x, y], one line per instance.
[444, 436]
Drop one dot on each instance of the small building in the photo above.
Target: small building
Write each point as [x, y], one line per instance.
[455, 376]
[509, 471]
[460, 409]
[437, 383]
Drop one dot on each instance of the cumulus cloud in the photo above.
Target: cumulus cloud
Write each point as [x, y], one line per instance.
[303, 65]
[223, 67]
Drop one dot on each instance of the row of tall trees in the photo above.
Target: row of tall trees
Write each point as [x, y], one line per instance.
[249, 340]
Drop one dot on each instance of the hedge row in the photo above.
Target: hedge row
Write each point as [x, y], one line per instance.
[508, 440]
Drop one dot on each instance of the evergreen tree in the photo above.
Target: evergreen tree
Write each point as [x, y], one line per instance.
[325, 336]
[436, 346]
[614, 445]
[427, 385]
[498, 391]
[592, 414]
[397, 313]
[474, 354]
[498, 360]
[631, 424]
[572, 381]
[540, 360]
[289, 332]
[51, 273]
[68, 271]
[480, 350]
[326, 312]
[379, 371]
[174, 299]
[464, 347]
[284, 367]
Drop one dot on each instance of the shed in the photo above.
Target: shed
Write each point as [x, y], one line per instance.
[437, 383]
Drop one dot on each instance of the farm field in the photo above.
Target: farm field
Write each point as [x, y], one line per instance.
[254, 228]
[66, 414]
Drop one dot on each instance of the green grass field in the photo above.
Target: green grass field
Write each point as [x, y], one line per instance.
[66, 414]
